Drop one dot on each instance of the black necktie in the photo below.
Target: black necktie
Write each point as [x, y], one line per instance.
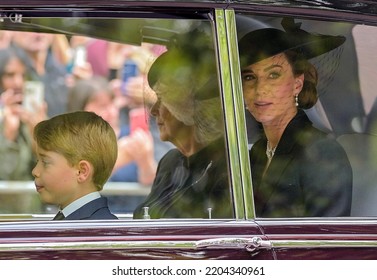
[59, 216]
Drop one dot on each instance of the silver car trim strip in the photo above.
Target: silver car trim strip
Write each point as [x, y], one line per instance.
[323, 243]
[113, 245]
[230, 243]
[96, 245]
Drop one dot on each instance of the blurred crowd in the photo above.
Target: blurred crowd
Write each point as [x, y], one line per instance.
[43, 75]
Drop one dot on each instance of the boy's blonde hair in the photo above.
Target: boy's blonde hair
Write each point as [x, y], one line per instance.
[79, 136]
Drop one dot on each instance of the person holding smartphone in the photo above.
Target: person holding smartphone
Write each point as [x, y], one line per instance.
[16, 122]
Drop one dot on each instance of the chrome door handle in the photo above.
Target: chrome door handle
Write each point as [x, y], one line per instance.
[248, 243]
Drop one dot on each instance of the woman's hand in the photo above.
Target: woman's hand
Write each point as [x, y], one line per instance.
[12, 109]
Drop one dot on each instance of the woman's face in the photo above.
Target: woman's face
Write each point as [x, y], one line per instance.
[169, 126]
[103, 105]
[14, 75]
[269, 89]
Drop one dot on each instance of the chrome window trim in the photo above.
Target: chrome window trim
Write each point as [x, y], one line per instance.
[229, 114]
[239, 107]
[234, 115]
[317, 221]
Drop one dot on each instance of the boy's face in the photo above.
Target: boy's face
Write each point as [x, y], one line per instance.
[55, 179]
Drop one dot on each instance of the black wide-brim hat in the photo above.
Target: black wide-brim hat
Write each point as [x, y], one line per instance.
[189, 66]
[263, 43]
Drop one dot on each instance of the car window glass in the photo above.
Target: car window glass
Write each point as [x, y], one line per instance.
[302, 179]
[169, 123]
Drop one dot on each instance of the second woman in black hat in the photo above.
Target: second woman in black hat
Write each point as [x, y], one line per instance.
[297, 170]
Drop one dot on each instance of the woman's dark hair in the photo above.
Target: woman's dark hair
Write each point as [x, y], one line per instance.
[84, 90]
[300, 65]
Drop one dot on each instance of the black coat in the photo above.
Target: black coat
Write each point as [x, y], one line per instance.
[94, 210]
[309, 175]
[185, 187]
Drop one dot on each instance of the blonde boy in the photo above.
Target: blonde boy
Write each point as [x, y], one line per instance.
[76, 154]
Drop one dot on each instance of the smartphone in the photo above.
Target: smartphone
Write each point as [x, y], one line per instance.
[138, 119]
[33, 95]
[129, 70]
[80, 56]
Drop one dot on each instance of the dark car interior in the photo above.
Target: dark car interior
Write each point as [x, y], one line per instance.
[347, 107]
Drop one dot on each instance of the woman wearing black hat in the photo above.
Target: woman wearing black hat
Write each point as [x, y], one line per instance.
[297, 170]
[191, 180]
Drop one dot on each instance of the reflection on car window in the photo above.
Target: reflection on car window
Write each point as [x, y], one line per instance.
[309, 160]
[169, 122]
[188, 114]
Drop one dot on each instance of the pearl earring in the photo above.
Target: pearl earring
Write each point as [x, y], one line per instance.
[296, 100]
